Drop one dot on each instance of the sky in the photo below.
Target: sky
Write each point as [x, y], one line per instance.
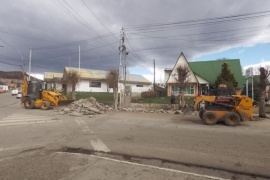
[62, 33]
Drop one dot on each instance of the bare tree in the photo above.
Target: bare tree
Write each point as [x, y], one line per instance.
[112, 82]
[73, 78]
[182, 82]
[264, 74]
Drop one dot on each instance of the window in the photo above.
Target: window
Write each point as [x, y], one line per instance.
[95, 84]
[189, 90]
[139, 85]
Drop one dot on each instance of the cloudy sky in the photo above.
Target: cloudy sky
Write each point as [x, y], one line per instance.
[154, 29]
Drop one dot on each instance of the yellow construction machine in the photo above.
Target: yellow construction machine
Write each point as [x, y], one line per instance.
[230, 109]
[36, 95]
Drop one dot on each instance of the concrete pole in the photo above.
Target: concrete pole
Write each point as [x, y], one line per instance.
[247, 87]
[154, 74]
[29, 68]
[80, 60]
[121, 49]
[252, 89]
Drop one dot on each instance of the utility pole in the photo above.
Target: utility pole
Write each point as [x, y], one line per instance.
[154, 74]
[80, 60]
[30, 61]
[122, 51]
[249, 74]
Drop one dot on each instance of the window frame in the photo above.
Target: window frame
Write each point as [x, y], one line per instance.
[94, 82]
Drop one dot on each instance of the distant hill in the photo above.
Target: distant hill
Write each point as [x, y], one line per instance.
[11, 74]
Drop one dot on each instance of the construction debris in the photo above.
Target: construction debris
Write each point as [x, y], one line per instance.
[91, 107]
[82, 107]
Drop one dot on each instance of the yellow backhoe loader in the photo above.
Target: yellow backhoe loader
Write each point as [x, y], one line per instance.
[230, 109]
[36, 95]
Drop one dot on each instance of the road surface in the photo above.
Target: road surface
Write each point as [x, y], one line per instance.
[38, 144]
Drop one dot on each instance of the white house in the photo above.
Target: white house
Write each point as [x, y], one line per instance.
[3, 87]
[56, 80]
[94, 81]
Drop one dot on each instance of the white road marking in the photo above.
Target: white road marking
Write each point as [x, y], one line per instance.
[96, 143]
[84, 126]
[22, 119]
[21, 147]
[152, 167]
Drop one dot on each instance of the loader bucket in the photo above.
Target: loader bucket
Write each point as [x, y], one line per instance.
[64, 102]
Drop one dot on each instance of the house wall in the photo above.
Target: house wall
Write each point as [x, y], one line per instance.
[58, 87]
[136, 91]
[166, 75]
[4, 87]
[84, 86]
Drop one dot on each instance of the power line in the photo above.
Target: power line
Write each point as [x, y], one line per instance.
[196, 34]
[72, 13]
[98, 18]
[71, 43]
[206, 21]
[63, 55]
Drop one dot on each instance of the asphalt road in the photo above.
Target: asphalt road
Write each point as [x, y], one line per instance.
[38, 144]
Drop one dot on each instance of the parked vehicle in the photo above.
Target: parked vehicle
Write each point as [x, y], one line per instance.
[19, 95]
[14, 92]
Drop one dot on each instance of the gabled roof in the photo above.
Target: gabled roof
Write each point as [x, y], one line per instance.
[183, 62]
[209, 70]
[88, 73]
[135, 78]
[92, 74]
[52, 75]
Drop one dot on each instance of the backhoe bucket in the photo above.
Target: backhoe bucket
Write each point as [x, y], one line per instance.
[64, 102]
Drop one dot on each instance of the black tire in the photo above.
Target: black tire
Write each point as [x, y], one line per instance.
[232, 119]
[28, 103]
[209, 118]
[45, 105]
[201, 113]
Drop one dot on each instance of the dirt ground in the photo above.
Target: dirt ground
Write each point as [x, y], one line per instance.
[256, 110]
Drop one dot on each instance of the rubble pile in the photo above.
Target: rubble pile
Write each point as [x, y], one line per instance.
[184, 111]
[91, 107]
[82, 107]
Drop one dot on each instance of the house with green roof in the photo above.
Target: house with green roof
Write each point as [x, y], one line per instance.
[203, 75]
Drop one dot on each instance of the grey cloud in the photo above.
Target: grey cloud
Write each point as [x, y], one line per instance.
[39, 24]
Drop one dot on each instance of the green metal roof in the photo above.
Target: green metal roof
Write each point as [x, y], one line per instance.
[209, 70]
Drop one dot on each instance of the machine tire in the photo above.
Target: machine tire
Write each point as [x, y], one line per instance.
[209, 118]
[45, 105]
[232, 119]
[28, 103]
[201, 112]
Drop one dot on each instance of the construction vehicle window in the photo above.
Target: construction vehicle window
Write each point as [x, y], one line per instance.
[43, 85]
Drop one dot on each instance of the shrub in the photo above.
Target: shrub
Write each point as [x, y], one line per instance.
[149, 94]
